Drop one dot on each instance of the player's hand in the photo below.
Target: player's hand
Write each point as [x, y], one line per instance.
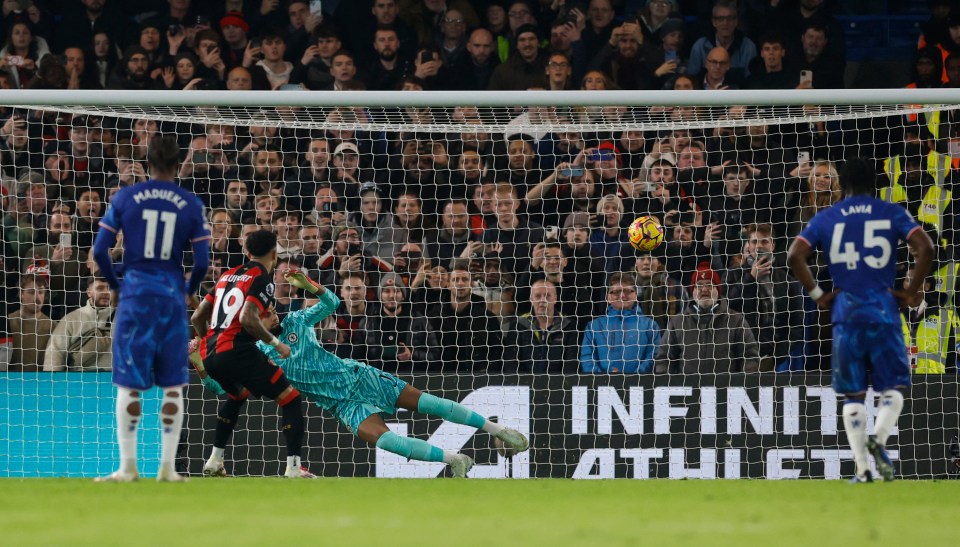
[907, 298]
[826, 301]
[283, 350]
[762, 267]
[299, 280]
[212, 385]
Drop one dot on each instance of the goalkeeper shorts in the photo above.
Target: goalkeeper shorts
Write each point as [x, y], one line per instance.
[375, 392]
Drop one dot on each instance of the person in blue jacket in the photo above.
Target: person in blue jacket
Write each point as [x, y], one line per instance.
[625, 339]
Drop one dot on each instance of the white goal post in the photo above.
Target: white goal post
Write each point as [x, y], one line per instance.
[530, 193]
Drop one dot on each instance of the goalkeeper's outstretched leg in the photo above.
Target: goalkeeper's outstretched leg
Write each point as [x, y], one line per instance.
[374, 431]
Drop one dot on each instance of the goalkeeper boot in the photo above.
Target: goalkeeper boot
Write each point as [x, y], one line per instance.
[214, 468]
[866, 477]
[298, 473]
[169, 475]
[514, 441]
[880, 456]
[119, 476]
[461, 465]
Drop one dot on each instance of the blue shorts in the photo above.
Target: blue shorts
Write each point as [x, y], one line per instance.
[150, 343]
[376, 392]
[874, 350]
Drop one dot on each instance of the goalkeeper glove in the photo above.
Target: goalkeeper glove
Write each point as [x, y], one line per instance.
[299, 280]
[212, 385]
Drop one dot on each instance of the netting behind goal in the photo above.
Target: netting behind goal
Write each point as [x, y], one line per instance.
[481, 253]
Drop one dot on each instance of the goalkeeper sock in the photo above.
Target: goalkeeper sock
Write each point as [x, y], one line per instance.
[855, 424]
[891, 404]
[226, 421]
[413, 449]
[128, 419]
[456, 413]
[292, 424]
[171, 422]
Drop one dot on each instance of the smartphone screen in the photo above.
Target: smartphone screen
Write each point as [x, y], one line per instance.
[571, 172]
[670, 56]
[66, 240]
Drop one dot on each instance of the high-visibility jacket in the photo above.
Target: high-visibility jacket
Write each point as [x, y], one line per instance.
[929, 343]
[935, 200]
[945, 279]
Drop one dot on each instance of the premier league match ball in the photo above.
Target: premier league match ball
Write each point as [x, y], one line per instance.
[646, 233]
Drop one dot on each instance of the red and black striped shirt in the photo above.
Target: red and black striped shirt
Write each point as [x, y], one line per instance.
[249, 282]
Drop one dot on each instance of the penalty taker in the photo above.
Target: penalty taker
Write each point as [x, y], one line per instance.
[357, 394]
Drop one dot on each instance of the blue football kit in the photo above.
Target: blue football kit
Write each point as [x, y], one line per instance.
[160, 222]
[859, 237]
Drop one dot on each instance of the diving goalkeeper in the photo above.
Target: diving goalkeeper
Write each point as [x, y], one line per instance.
[357, 394]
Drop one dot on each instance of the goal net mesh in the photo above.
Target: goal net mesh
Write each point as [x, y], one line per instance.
[506, 230]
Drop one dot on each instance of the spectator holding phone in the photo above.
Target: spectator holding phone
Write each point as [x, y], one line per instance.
[770, 301]
[21, 54]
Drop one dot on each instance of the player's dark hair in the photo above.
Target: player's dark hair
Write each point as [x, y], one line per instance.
[858, 176]
[163, 153]
[261, 242]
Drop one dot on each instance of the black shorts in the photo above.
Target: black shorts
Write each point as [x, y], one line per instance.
[242, 369]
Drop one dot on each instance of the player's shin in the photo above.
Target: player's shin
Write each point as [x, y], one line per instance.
[414, 449]
[456, 413]
[226, 421]
[891, 404]
[171, 422]
[292, 424]
[128, 419]
[855, 424]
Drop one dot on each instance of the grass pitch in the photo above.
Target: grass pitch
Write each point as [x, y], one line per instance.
[477, 512]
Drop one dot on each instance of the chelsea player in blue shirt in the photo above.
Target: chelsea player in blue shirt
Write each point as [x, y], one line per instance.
[859, 236]
[159, 221]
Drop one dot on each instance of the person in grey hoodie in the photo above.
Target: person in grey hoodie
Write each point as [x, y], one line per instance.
[707, 337]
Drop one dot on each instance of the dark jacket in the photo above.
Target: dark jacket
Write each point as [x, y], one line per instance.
[468, 340]
[517, 74]
[383, 335]
[555, 350]
[773, 309]
[707, 341]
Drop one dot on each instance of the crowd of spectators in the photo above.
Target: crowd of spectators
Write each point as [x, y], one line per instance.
[465, 251]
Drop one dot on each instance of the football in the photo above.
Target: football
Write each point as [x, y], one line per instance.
[503, 450]
[646, 233]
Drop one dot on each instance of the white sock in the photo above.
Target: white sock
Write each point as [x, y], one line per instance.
[448, 456]
[492, 427]
[891, 404]
[171, 422]
[855, 424]
[293, 462]
[127, 428]
[217, 455]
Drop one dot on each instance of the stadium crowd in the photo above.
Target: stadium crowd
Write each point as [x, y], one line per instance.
[470, 251]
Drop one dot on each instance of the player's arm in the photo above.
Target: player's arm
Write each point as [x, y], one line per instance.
[921, 247]
[251, 322]
[201, 317]
[201, 263]
[105, 240]
[328, 301]
[200, 239]
[797, 258]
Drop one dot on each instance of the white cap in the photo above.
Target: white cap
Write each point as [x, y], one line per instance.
[344, 147]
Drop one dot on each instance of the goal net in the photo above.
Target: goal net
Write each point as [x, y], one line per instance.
[480, 247]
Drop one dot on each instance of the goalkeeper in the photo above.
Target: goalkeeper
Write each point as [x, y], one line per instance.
[357, 394]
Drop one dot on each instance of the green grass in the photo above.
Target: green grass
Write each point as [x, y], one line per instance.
[477, 512]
